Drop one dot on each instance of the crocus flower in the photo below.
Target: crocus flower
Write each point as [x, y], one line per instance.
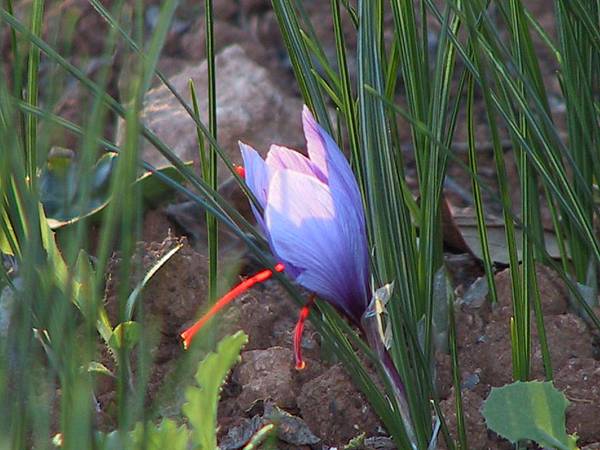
[313, 218]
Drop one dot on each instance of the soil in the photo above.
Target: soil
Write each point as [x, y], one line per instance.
[319, 406]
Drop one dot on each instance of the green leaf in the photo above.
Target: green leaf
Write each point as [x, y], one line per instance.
[126, 333]
[201, 406]
[133, 297]
[529, 410]
[99, 368]
[60, 181]
[165, 435]
[7, 234]
[153, 189]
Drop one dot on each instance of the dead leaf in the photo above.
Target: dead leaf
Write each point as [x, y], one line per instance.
[460, 233]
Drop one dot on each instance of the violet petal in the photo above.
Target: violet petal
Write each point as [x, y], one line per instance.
[326, 155]
[280, 157]
[257, 180]
[308, 230]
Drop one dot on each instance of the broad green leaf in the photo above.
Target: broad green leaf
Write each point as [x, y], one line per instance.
[201, 406]
[60, 181]
[82, 283]
[531, 410]
[126, 333]
[153, 189]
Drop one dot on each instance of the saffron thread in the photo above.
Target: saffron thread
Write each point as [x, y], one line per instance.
[298, 330]
[242, 287]
[240, 171]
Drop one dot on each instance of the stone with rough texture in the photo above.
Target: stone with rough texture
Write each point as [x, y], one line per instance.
[266, 374]
[333, 409]
[249, 108]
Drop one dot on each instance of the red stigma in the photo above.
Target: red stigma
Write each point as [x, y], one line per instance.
[242, 287]
[240, 171]
[298, 330]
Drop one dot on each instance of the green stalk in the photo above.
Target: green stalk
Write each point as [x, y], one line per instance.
[477, 197]
[471, 15]
[349, 110]
[14, 47]
[456, 380]
[521, 311]
[211, 221]
[37, 15]
[392, 233]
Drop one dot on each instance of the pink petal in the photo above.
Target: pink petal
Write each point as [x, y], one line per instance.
[280, 157]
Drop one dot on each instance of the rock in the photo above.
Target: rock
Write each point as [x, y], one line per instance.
[290, 429]
[267, 374]
[333, 409]
[156, 226]
[249, 108]
[254, 6]
[193, 43]
[579, 380]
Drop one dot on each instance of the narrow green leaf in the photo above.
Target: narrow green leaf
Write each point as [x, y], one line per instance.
[99, 368]
[133, 297]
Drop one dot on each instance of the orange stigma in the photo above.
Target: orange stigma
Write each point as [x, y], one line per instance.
[240, 171]
[242, 287]
[298, 330]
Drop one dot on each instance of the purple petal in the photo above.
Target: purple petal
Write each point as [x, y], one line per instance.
[326, 155]
[256, 170]
[280, 157]
[308, 230]
[257, 179]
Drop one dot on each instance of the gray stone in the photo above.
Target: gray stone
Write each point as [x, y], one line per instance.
[250, 107]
